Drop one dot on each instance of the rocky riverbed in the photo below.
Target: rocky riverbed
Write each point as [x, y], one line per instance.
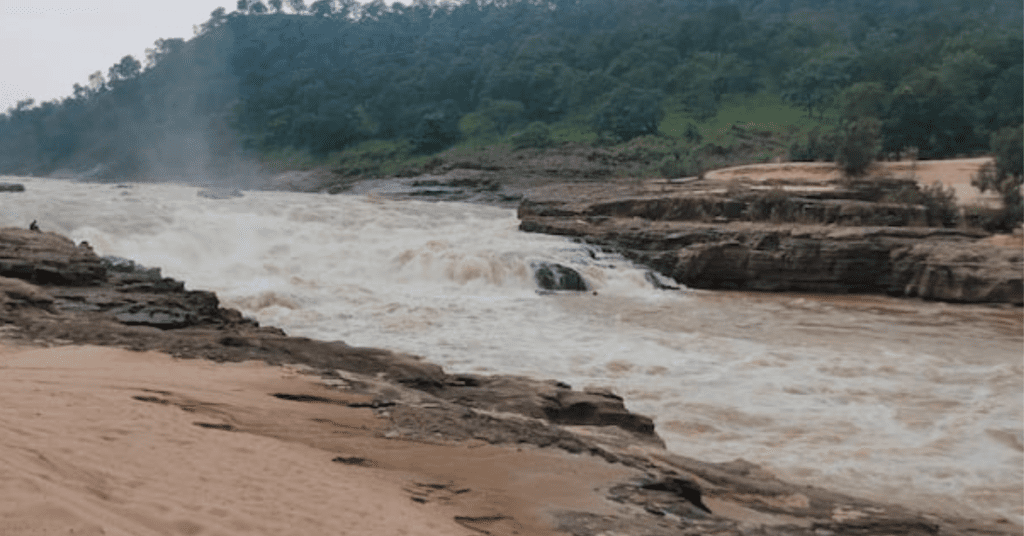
[767, 227]
[832, 235]
[54, 292]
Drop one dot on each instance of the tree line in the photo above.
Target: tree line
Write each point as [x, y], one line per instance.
[939, 77]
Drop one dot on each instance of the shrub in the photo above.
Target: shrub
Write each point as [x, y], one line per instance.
[859, 144]
[692, 134]
[982, 217]
[940, 205]
[680, 165]
[817, 145]
[536, 134]
[939, 202]
[774, 205]
[1007, 177]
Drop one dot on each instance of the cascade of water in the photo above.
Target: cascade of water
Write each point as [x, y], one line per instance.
[876, 396]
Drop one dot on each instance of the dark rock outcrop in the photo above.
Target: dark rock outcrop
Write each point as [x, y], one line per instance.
[11, 187]
[553, 276]
[48, 259]
[550, 400]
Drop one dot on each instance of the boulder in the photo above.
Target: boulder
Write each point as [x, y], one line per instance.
[11, 187]
[553, 276]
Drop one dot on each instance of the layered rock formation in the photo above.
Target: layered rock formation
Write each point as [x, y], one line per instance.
[812, 238]
[55, 292]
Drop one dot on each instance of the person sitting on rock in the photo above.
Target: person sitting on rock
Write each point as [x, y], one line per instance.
[34, 226]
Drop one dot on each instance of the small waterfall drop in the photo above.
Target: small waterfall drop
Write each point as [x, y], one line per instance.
[875, 396]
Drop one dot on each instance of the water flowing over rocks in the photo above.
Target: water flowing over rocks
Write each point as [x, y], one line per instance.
[553, 276]
[780, 240]
[55, 292]
[220, 193]
[115, 301]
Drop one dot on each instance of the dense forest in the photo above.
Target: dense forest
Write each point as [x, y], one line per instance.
[939, 77]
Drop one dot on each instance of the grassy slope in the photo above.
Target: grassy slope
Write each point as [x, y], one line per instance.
[746, 129]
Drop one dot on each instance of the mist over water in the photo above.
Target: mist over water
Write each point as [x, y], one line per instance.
[897, 400]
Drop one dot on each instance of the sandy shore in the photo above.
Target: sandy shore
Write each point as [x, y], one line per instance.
[106, 441]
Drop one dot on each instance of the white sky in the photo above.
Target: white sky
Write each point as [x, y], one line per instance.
[46, 46]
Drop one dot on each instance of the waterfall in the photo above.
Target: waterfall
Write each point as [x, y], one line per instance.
[874, 396]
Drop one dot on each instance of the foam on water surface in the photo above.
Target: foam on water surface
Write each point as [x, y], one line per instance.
[890, 399]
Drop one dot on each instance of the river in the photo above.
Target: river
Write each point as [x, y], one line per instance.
[897, 400]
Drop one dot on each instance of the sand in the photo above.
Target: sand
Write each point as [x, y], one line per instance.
[955, 173]
[106, 441]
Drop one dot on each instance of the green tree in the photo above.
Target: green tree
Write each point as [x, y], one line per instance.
[126, 69]
[1008, 176]
[859, 143]
[1007, 144]
[163, 48]
[863, 99]
[438, 127]
[502, 113]
[217, 18]
[629, 112]
[814, 83]
[492, 119]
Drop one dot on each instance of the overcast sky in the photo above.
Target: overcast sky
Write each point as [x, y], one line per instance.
[48, 45]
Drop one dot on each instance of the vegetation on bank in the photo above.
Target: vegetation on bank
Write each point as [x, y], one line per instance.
[685, 84]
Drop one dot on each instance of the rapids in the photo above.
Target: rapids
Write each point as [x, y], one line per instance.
[896, 400]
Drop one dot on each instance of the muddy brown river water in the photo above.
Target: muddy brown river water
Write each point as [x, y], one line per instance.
[898, 400]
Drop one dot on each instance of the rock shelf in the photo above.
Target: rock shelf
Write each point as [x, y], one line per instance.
[832, 236]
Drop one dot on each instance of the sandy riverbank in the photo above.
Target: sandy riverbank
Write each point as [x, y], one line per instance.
[952, 173]
[106, 441]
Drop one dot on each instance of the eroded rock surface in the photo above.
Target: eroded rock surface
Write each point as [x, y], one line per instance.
[830, 252]
[48, 259]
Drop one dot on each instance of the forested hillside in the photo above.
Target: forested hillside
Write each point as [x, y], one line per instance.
[936, 76]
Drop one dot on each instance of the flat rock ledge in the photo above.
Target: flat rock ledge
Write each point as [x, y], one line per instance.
[842, 256]
[54, 292]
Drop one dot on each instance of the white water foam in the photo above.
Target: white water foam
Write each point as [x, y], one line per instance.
[890, 399]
